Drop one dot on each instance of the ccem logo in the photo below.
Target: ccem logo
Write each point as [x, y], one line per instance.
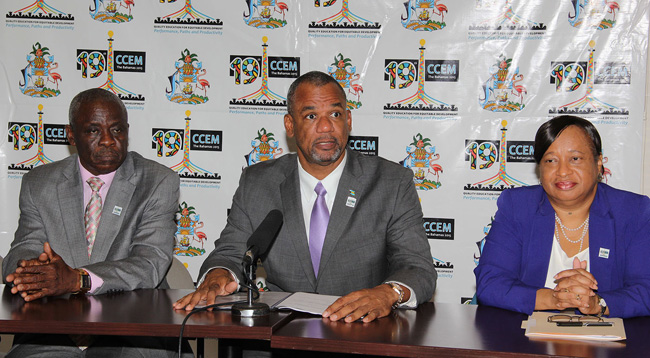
[439, 229]
[364, 145]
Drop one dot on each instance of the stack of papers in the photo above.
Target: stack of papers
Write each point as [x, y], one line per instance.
[539, 327]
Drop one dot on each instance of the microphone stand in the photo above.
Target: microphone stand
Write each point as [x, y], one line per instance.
[250, 308]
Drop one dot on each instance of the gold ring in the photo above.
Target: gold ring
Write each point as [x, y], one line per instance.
[566, 290]
[578, 297]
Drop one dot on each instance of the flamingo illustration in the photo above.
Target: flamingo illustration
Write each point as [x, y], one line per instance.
[56, 77]
[519, 90]
[355, 88]
[203, 83]
[128, 5]
[202, 236]
[441, 8]
[606, 171]
[612, 6]
[283, 7]
[436, 169]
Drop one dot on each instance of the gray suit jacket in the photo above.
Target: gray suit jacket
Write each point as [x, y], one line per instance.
[133, 248]
[381, 238]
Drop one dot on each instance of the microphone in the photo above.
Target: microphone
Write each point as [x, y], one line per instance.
[263, 237]
[258, 244]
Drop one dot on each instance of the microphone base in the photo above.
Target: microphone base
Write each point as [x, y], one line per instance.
[250, 309]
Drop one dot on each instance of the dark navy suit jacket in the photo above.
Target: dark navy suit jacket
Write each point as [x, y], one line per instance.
[517, 250]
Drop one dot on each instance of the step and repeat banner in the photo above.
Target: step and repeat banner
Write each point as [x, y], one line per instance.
[452, 89]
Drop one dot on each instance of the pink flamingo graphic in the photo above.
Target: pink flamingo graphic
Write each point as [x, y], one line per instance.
[436, 169]
[201, 235]
[441, 8]
[355, 88]
[203, 83]
[128, 5]
[519, 90]
[283, 7]
[612, 6]
[606, 171]
[56, 77]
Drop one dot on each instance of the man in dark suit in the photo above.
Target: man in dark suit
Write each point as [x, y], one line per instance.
[98, 221]
[374, 251]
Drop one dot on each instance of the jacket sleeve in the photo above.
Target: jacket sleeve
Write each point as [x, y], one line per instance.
[408, 250]
[231, 245]
[630, 297]
[30, 235]
[498, 280]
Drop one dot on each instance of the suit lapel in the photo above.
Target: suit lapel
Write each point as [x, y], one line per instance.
[72, 212]
[601, 236]
[295, 222]
[540, 246]
[349, 186]
[118, 200]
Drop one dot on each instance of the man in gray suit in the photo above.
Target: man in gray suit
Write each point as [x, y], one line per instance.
[374, 252]
[78, 237]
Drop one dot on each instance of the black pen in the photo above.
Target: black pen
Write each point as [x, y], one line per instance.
[585, 324]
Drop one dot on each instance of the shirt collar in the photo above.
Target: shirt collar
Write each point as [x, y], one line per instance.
[330, 182]
[85, 175]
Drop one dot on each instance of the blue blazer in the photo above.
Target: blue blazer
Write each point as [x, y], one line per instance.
[517, 250]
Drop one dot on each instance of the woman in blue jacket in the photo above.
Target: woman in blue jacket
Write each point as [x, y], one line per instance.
[570, 242]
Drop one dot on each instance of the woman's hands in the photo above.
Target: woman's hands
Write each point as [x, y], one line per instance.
[575, 288]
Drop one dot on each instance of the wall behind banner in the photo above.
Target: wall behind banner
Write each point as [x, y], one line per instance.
[454, 90]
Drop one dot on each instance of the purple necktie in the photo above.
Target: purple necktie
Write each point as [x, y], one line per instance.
[320, 216]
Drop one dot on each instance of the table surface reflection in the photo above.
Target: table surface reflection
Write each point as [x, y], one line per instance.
[146, 312]
[450, 330]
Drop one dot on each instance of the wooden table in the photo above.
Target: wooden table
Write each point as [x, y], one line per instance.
[449, 330]
[146, 312]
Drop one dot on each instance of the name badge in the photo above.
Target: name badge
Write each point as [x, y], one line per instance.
[117, 210]
[603, 252]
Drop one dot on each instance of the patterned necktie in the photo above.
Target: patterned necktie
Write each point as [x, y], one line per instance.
[320, 216]
[93, 212]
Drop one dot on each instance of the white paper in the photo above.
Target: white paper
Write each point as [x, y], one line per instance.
[308, 302]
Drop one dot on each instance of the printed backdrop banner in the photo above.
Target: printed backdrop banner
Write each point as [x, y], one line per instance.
[453, 90]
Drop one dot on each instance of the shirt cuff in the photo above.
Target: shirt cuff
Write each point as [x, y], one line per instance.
[234, 277]
[412, 302]
[95, 282]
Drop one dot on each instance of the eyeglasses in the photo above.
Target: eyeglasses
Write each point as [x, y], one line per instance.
[568, 318]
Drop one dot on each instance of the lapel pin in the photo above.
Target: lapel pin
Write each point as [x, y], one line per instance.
[117, 210]
[604, 253]
[352, 200]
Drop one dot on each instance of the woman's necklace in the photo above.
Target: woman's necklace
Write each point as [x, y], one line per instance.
[584, 226]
